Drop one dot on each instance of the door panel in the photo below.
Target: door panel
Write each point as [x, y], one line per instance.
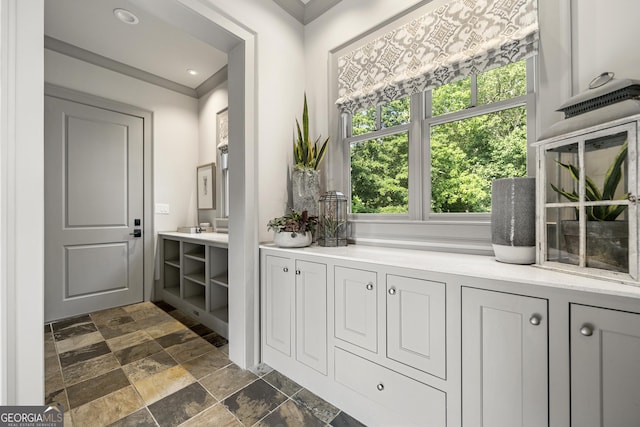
[96, 163]
[279, 296]
[605, 355]
[311, 315]
[416, 323]
[356, 307]
[93, 193]
[504, 359]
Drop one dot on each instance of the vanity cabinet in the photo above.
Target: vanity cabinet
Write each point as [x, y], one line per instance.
[294, 298]
[193, 277]
[504, 359]
[605, 367]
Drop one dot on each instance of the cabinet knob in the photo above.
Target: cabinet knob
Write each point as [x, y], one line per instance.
[586, 330]
[380, 387]
[535, 319]
[392, 291]
[369, 286]
[285, 269]
[297, 272]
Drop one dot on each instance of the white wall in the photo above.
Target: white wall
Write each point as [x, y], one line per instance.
[208, 107]
[605, 37]
[280, 87]
[175, 129]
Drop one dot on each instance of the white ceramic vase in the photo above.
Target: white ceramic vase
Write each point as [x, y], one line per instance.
[284, 239]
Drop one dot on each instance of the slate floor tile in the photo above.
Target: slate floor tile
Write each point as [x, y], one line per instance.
[71, 322]
[216, 340]
[83, 354]
[164, 306]
[128, 340]
[189, 350]
[140, 418]
[162, 384]
[207, 363]
[178, 407]
[107, 409]
[74, 331]
[319, 407]
[91, 368]
[216, 415]
[79, 341]
[253, 402]
[137, 352]
[167, 327]
[282, 383]
[175, 338]
[94, 388]
[345, 420]
[143, 368]
[226, 381]
[290, 415]
[109, 332]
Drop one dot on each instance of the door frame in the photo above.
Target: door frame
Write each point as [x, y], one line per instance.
[22, 188]
[147, 177]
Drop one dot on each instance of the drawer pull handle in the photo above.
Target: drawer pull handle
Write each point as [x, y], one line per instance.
[392, 291]
[285, 269]
[380, 387]
[586, 330]
[535, 320]
[369, 286]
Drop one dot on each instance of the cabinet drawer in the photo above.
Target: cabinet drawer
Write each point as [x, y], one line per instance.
[416, 323]
[356, 307]
[416, 403]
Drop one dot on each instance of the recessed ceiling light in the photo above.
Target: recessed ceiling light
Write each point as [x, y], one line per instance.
[192, 72]
[125, 16]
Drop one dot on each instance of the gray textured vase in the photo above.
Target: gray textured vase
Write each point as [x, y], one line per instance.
[513, 220]
[305, 184]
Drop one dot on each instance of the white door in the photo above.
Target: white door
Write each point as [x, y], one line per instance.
[279, 294]
[93, 208]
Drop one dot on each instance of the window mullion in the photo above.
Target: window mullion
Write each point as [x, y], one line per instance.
[474, 90]
[416, 110]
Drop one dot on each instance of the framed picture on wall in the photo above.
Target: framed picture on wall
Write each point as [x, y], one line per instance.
[206, 186]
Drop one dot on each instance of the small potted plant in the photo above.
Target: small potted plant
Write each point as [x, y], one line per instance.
[608, 237]
[293, 230]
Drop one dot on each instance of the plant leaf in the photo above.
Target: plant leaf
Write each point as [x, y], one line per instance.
[571, 196]
[614, 173]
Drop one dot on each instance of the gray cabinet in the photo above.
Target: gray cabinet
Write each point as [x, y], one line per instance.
[193, 277]
[504, 359]
[605, 367]
[295, 310]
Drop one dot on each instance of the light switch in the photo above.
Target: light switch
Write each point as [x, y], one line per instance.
[162, 208]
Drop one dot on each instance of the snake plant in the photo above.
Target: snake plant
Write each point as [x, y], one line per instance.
[593, 193]
[307, 154]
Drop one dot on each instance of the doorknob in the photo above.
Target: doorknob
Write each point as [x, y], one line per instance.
[136, 232]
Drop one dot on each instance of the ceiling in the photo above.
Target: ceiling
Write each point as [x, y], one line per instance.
[151, 50]
[151, 45]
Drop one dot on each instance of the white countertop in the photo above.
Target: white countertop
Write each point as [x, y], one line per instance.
[466, 265]
[222, 238]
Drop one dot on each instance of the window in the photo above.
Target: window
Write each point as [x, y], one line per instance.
[438, 152]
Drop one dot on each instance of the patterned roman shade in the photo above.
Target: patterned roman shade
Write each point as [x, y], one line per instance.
[453, 41]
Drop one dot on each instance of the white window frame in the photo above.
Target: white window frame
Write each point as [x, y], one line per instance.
[419, 198]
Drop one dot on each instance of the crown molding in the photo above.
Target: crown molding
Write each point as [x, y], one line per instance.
[305, 13]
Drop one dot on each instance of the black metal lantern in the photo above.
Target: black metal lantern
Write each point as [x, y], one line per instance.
[332, 220]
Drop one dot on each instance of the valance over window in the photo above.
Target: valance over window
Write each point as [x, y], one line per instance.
[453, 41]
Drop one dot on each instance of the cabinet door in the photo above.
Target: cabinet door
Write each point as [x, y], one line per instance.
[356, 307]
[416, 323]
[279, 298]
[504, 359]
[311, 315]
[605, 367]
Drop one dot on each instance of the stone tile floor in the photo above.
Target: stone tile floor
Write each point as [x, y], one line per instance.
[150, 365]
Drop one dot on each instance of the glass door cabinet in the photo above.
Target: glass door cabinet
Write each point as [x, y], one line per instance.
[586, 206]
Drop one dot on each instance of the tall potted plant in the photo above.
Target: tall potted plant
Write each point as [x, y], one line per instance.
[307, 155]
[608, 237]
